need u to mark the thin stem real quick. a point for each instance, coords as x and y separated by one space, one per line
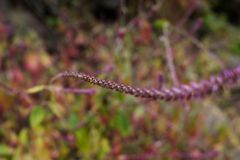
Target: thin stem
169 56
197 43
170 63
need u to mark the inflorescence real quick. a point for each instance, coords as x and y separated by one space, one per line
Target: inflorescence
182 92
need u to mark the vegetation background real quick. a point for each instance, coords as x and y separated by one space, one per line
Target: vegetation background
147 43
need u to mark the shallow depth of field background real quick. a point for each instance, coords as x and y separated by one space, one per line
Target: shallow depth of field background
126 41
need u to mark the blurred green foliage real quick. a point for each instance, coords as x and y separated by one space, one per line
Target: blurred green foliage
41 120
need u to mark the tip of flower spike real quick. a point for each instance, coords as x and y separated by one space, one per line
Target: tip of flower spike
66 74
59 75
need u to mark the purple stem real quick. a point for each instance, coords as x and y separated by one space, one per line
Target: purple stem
78 91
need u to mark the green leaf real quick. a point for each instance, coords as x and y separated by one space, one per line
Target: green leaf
122 123
37 116
73 121
56 109
5 150
52 22
36 89
23 136
234 47
105 148
215 22
161 24
83 141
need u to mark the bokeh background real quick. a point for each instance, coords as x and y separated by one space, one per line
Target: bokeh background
128 41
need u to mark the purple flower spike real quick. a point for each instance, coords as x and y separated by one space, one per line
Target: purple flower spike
182 92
